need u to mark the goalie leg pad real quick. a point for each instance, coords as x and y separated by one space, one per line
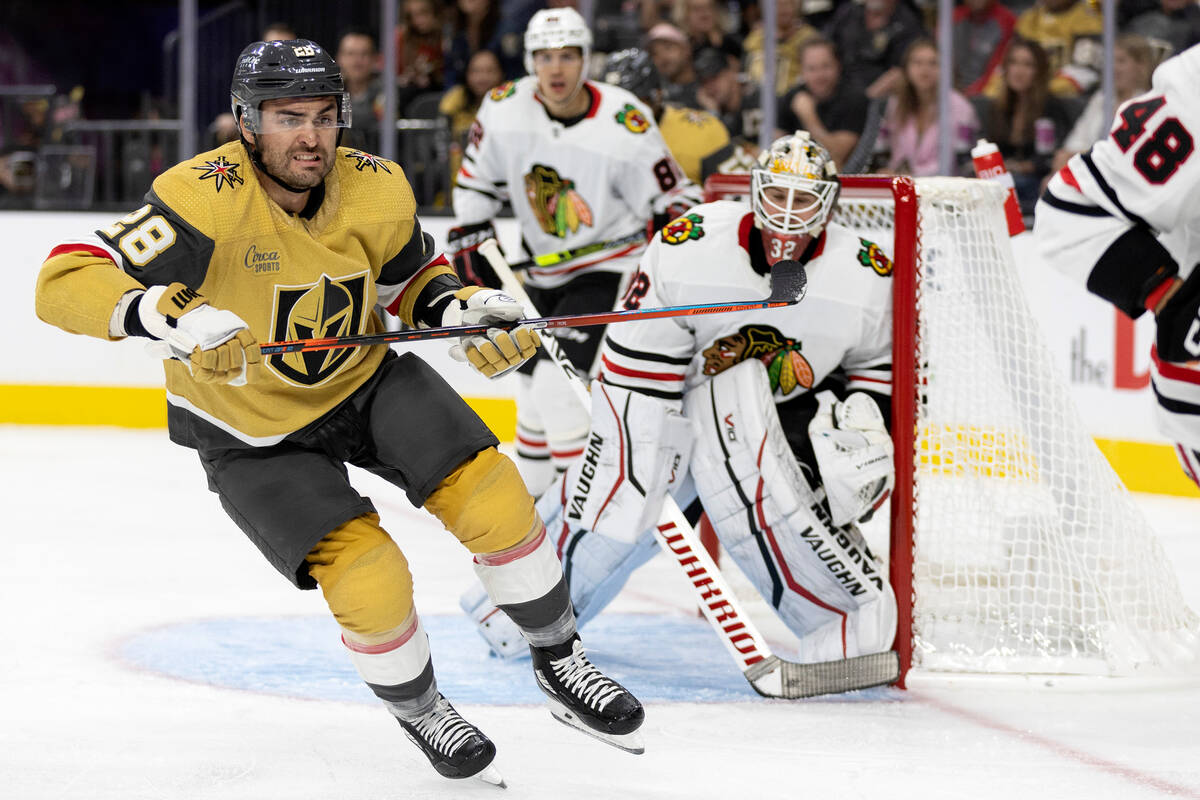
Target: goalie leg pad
637 450
823 582
485 504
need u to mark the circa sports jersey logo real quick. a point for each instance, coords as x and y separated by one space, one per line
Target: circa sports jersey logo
872 255
260 261
786 368
558 207
684 229
328 307
367 160
222 171
633 119
506 89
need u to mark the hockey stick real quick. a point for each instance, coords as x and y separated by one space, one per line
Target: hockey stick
768 674
788 284
550 259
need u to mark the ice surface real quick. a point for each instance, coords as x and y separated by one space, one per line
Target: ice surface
152 653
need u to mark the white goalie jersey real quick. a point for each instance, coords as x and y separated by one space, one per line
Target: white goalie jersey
597 179
704 256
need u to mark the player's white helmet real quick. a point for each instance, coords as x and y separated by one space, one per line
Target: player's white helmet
805 170
554 28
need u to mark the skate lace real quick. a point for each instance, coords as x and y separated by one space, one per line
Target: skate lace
443 728
578 675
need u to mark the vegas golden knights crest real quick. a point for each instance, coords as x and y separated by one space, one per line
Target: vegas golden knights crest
786 367
330 307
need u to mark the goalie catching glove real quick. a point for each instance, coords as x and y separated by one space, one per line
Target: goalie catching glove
854 454
216 345
500 352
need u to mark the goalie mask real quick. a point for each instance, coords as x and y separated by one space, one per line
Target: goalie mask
555 29
793 190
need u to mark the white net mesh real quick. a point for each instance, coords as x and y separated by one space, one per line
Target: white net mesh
1029 556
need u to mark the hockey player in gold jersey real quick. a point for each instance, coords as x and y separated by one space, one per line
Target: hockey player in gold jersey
285 235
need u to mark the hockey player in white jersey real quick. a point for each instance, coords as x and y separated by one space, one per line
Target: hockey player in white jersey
585 168
785 407
1122 218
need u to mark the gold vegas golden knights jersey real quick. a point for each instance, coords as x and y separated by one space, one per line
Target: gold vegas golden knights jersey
210 225
695 139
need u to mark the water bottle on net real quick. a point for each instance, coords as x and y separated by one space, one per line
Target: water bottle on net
989 165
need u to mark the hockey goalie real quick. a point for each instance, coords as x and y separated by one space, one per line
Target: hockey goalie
773 419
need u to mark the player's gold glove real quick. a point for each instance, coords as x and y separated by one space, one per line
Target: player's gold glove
216 344
500 351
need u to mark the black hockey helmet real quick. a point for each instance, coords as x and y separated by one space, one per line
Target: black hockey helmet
634 71
292 68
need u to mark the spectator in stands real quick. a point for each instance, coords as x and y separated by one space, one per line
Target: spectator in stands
478 25
705 25
826 104
221 130
16 177
1026 121
461 102
1069 32
357 55
278 32
652 12
723 93
1172 27
672 55
791 32
982 31
871 38
1133 62
420 62
909 134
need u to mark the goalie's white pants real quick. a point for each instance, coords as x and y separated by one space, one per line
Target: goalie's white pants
824 583
552 426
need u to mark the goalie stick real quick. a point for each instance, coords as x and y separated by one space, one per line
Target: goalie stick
788 284
767 673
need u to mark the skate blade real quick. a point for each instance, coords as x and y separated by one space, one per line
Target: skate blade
629 742
491 775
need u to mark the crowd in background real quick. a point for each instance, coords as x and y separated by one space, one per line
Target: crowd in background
860 75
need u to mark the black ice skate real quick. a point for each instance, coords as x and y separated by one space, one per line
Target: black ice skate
455 747
584 698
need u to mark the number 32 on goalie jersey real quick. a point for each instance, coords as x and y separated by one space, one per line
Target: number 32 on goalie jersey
1158 156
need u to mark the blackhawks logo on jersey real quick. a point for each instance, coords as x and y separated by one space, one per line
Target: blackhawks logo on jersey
683 229
786 367
367 160
329 307
558 207
872 255
502 91
221 171
633 119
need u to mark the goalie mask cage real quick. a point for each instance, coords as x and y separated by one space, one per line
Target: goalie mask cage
1015 549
